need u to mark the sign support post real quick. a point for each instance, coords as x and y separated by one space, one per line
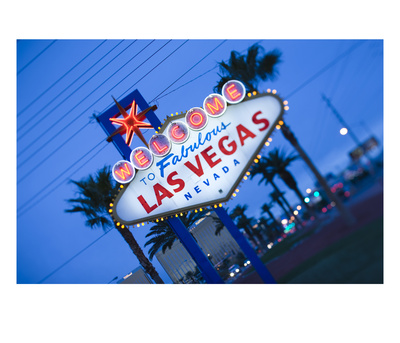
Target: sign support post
209 273
245 246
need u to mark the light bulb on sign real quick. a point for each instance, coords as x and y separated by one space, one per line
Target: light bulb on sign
343 131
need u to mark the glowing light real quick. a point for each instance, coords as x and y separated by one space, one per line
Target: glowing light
130 123
308 190
110 210
274 91
347 194
268 90
178 132
160 145
343 131
123 172
285 102
298 207
316 194
234 91
141 158
307 200
254 92
214 105
295 212
196 118
286 108
278 127
284 221
280 122
269 139
266 144
324 209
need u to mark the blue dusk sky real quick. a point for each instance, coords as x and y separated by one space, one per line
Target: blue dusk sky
63 63
62 83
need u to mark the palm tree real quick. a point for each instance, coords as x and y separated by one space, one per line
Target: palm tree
162 236
276 197
267 176
96 193
244 222
247 70
250 69
278 162
267 208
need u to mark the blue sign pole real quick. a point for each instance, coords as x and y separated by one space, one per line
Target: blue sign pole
245 246
209 273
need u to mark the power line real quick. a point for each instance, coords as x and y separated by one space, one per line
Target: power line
194 79
152 69
324 69
71 122
53 152
73 257
59 79
190 69
34 197
33 59
51 111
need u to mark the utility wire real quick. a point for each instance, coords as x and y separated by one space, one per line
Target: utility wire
197 77
324 69
37 165
59 79
81 130
33 59
71 122
202 59
25 209
73 257
55 107
151 69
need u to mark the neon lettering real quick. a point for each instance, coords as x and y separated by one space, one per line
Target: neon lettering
233 93
123 172
173 133
216 108
197 122
159 149
140 159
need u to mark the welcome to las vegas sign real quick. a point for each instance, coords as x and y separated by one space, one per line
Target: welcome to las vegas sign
196 159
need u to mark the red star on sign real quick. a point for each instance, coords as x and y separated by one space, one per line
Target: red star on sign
131 123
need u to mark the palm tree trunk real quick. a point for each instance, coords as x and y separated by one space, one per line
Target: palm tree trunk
286 203
345 213
143 260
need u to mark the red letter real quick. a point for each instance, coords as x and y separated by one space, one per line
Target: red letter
209 158
173 182
260 121
146 205
231 145
240 128
233 93
140 159
159 149
216 108
123 171
199 170
161 193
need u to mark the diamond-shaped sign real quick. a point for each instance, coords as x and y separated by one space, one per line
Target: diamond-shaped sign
198 158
